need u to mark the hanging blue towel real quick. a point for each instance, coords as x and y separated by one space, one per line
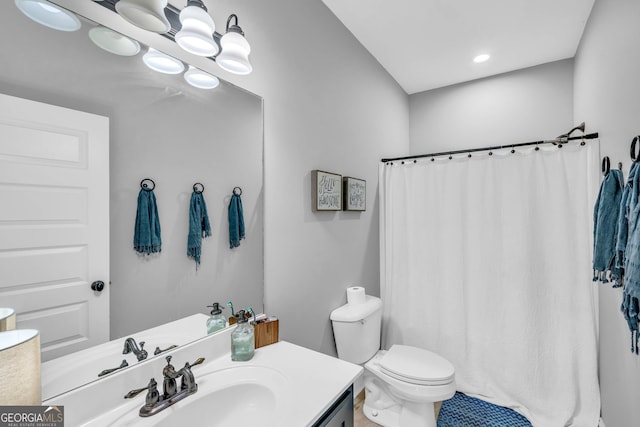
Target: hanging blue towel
236 221
623 217
199 226
628 247
605 228
146 236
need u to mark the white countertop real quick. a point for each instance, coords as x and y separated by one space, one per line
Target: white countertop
315 381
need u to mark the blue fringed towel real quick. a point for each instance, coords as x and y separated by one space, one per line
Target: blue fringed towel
605 228
146 236
199 226
628 247
236 221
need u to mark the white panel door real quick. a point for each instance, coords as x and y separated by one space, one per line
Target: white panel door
54 222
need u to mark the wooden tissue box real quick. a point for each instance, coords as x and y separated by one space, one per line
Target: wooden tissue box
265 332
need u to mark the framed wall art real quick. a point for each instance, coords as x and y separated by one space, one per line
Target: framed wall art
355 194
326 191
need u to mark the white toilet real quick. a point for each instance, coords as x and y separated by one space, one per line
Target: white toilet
401 384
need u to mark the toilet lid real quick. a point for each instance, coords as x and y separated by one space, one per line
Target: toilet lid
416 366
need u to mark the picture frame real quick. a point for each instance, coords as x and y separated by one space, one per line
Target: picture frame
326 191
355 194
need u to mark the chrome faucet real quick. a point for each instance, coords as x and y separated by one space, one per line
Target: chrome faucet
130 346
156 402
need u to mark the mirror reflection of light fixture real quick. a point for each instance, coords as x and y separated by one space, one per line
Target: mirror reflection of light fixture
235 50
113 42
20 367
200 79
49 14
146 14
196 34
162 62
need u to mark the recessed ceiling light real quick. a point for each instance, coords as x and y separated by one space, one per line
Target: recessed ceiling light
49 14
481 58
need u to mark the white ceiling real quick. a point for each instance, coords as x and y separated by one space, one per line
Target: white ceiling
426 44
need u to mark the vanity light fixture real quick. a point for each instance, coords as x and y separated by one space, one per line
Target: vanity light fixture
49 14
146 14
200 79
481 58
113 42
162 62
235 50
196 34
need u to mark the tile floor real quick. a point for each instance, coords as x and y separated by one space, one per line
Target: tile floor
359 420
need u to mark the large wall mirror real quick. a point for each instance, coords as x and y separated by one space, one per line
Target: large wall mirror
161 128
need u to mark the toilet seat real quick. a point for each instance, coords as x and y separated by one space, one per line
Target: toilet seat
416 366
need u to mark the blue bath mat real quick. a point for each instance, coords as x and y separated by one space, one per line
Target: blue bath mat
464 411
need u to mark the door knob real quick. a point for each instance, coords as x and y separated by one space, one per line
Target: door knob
98 285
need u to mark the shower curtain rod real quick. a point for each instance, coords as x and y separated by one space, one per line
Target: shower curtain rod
499 147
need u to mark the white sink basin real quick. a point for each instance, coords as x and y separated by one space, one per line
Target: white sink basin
244 395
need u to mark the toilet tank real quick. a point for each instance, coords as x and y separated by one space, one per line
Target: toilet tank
356 329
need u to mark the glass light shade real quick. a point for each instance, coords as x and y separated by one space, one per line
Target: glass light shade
20 368
146 14
162 63
200 79
196 35
235 54
49 14
113 42
7 319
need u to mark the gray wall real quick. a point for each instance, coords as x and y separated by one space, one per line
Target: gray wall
607 90
328 105
525 105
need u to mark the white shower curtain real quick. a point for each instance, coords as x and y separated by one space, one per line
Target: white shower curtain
487 262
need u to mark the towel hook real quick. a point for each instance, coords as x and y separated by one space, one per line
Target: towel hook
195 188
237 193
634 142
606 165
145 186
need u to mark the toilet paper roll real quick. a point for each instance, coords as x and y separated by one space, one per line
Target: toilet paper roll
355 295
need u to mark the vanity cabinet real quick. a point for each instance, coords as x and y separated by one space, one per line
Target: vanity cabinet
340 414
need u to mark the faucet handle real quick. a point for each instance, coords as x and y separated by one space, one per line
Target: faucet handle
197 362
159 350
134 393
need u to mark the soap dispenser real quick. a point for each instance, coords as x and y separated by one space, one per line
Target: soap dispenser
242 340
217 321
